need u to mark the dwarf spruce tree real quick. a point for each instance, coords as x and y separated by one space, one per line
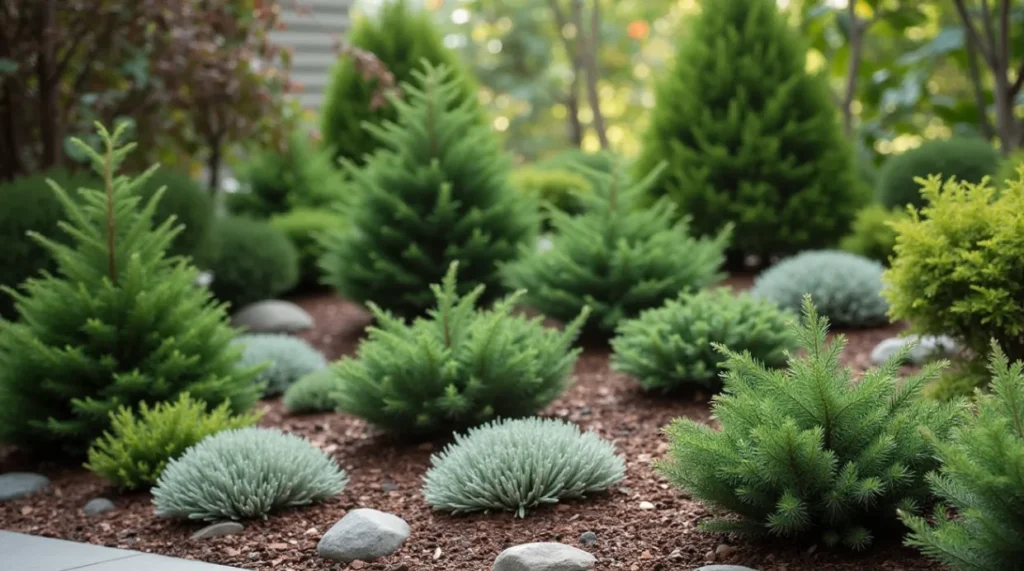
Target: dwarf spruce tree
807 452
437 192
119 322
749 136
617 258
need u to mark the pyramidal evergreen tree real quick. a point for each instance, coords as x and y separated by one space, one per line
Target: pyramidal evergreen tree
750 137
618 258
437 192
383 53
118 323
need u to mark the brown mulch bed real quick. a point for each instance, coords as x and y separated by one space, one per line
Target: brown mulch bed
387 476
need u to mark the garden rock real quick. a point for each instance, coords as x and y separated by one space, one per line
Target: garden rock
364 535
219 529
544 557
97 506
928 347
18 484
724 568
272 316
588 538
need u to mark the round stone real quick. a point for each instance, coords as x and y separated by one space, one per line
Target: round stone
96 506
15 485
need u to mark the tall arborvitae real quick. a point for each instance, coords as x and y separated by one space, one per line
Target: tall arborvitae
437 192
118 323
749 136
381 54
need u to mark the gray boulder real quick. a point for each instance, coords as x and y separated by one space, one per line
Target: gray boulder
363 534
96 506
272 316
219 529
928 347
18 484
544 557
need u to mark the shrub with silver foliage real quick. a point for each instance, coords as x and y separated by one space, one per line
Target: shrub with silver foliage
287 359
844 287
312 393
246 473
518 464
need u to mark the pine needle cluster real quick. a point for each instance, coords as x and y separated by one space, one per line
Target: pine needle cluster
807 452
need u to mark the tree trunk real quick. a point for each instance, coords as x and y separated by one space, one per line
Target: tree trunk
588 47
213 164
572 100
857 27
49 109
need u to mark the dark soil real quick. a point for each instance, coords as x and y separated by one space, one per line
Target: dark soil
387 476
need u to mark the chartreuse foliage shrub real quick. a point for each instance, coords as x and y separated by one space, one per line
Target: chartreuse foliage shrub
749 136
457 367
807 452
284 359
515 465
968 159
845 287
312 393
401 37
552 188
31 206
673 346
276 181
133 453
254 261
873 235
117 324
190 204
437 192
617 258
306 229
958 266
982 478
246 473
1008 169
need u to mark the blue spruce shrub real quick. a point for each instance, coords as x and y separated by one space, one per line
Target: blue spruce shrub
286 359
245 473
515 465
845 287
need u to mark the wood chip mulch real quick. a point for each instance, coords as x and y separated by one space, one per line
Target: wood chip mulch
387 476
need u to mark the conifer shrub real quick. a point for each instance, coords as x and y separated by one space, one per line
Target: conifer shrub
306 229
118 323
673 346
31 206
437 192
750 137
456 368
246 473
958 265
134 452
578 161
497 467
616 258
845 287
981 479
969 159
191 206
807 452
313 392
276 181
284 359
385 52
552 188
253 261
873 235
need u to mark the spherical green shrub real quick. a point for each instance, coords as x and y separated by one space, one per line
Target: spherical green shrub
134 452
189 203
286 359
306 229
968 159
29 204
515 465
253 261
846 288
456 368
677 344
873 235
959 263
552 188
312 393
245 473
